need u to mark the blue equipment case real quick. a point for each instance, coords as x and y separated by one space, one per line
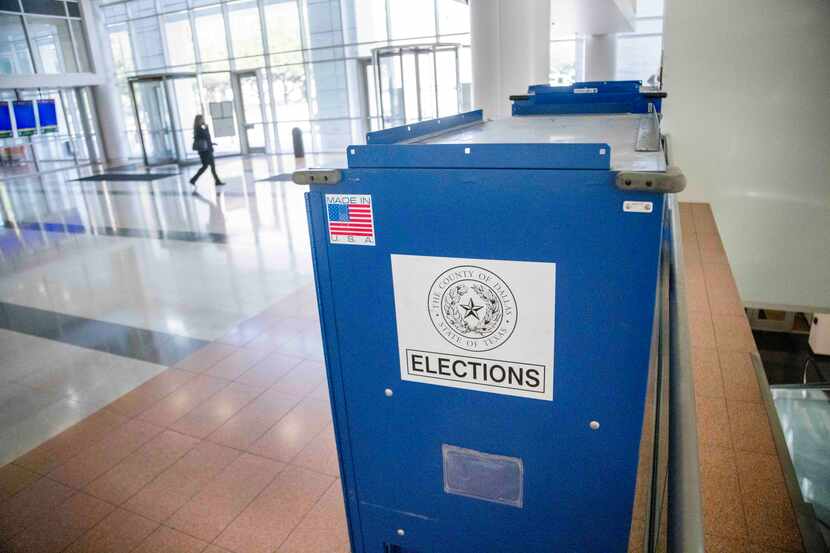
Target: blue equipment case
487 293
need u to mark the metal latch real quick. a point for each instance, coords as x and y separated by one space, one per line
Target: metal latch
317 176
672 180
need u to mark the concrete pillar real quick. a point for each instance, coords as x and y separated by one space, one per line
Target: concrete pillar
510 50
106 96
600 57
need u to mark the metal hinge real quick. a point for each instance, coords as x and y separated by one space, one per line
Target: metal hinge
317 176
672 180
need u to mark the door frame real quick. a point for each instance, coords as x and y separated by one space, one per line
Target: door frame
242 123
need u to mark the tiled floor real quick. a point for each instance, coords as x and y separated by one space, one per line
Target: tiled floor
105 284
745 501
160 367
232 448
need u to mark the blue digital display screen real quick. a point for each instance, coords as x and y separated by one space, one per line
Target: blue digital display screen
47 114
5 120
24 116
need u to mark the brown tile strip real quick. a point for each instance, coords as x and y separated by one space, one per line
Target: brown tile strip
746 507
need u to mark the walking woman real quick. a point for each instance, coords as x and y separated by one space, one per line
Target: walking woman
203 144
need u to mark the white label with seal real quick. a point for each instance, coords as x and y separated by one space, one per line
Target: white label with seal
638 207
586 90
476 324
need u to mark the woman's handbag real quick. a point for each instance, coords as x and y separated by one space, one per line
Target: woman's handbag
201 145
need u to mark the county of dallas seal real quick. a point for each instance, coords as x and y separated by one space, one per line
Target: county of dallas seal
472 308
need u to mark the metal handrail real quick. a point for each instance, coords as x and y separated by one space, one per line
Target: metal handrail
685 519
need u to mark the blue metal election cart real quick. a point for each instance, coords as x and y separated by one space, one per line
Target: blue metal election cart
487 300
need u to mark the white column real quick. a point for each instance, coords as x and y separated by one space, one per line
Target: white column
106 96
600 57
510 50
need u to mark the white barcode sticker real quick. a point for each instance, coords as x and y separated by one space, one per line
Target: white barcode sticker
638 207
586 90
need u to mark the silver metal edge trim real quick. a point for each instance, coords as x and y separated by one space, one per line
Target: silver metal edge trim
685 518
648 134
426 137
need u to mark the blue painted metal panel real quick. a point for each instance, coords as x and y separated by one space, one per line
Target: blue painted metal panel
602 86
482 156
604 97
416 130
572 108
579 484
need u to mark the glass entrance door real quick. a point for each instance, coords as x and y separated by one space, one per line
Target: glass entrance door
186 104
154 120
415 82
253 111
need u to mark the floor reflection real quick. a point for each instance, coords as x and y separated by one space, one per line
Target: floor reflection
158 254
104 284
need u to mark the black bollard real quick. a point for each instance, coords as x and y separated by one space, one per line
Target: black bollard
297 138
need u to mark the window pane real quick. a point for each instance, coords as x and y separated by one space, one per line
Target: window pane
90 125
642 26
391 90
453 17
327 92
140 8
411 19
14 52
370 91
246 34
466 73
324 29
80 44
410 87
282 21
289 92
122 53
52 45
217 88
68 112
426 75
148 49
638 57
133 140
116 13
447 74
649 8
210 32
172 5
562 62
179 40
370 16
186 94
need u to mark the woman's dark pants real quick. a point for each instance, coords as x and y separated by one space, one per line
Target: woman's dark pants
207 161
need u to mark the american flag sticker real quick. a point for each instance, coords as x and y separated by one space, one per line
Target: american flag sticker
351 220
